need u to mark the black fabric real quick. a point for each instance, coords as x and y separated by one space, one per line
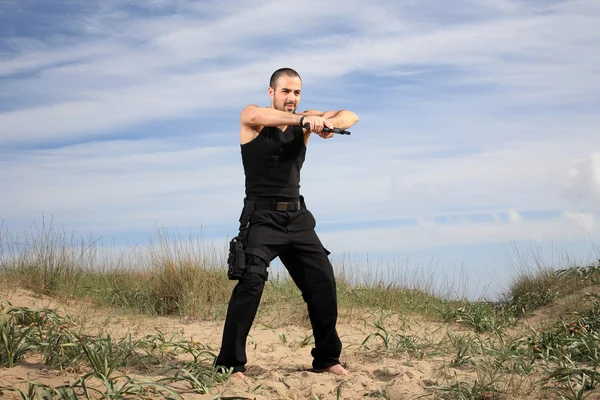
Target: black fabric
272 163
291 236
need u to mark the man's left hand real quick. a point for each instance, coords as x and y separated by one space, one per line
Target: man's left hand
326 135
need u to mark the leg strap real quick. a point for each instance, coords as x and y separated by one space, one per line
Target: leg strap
258 268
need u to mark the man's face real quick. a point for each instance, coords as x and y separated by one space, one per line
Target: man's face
286 94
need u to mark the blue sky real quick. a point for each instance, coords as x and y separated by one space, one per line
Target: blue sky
478 130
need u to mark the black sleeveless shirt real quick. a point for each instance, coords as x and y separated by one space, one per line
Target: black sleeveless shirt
272 163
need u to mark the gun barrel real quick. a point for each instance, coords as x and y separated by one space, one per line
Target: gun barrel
334 130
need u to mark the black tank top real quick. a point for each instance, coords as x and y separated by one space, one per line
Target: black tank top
272 163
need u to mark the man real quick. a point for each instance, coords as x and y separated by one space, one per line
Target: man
276 222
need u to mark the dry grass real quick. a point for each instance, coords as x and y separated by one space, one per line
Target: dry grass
183 276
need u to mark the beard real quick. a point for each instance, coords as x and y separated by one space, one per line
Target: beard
284 106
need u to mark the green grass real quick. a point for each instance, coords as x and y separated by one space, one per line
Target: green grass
102 358
488 350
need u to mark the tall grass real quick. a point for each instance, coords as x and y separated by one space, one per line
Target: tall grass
537 283
170 276
186 276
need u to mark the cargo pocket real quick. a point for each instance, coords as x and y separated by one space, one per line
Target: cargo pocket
309 221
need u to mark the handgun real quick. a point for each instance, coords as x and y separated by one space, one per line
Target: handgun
334 130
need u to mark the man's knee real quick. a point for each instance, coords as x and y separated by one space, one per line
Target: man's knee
250 284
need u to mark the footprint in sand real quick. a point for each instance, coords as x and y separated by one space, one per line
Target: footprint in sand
387 374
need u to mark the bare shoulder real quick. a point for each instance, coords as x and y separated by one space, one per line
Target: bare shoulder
246 114
248 131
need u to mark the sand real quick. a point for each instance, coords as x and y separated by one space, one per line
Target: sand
279 364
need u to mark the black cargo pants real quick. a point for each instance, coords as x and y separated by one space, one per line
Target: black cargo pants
291 236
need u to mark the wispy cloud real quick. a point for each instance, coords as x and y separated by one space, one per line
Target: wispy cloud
565 228
192 64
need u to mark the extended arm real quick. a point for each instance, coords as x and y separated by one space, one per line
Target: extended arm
252 115
339 118
343 119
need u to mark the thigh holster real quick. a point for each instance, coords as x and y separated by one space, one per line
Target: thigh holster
236 261
243 259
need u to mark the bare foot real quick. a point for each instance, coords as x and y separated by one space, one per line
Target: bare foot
338 370
239 375
334 369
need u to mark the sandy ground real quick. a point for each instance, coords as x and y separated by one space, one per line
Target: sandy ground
278 368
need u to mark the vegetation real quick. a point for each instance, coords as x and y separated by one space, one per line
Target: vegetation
542 340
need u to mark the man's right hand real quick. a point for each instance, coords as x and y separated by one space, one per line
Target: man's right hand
316 123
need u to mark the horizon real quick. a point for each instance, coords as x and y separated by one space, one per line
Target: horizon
477 140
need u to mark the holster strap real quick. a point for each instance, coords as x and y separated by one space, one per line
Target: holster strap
261 268
258 269
258 253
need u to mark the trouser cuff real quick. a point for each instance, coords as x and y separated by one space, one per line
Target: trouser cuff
239 368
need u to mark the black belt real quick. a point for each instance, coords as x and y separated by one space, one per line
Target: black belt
293 205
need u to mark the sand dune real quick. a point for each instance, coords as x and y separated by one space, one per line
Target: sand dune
279 354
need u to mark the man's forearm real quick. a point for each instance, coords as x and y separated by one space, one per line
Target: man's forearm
265 116
343 119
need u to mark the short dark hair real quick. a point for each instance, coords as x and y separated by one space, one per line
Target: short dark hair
282 71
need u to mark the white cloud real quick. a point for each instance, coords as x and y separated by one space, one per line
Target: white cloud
384 180
426 222
124 185
582 184
514 216
587 222
35 54
409 238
